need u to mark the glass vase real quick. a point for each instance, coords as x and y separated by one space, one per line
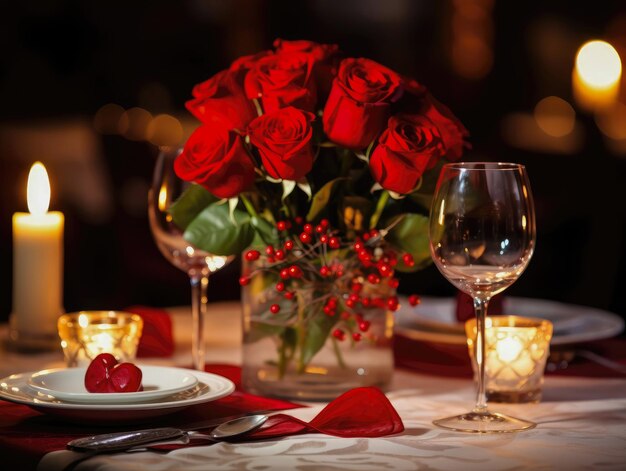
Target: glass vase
307 352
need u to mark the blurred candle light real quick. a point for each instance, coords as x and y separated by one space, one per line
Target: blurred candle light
555 116
37 266
596 76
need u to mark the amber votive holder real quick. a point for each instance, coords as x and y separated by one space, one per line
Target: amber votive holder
86 334
516 350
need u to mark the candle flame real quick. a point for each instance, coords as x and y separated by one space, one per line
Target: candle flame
38 189
598 64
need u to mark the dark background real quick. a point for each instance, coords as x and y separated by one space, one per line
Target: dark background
63 60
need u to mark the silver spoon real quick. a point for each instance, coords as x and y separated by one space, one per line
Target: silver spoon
122 441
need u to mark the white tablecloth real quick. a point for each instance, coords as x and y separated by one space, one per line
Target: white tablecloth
581 424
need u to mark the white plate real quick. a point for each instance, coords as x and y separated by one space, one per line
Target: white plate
434 320
69 385
210 387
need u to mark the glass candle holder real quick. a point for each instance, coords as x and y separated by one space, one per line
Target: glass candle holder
86 334
516 350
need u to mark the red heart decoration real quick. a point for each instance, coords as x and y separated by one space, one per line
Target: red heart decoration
125 377
105 375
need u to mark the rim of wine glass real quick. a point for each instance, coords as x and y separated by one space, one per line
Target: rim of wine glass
484 166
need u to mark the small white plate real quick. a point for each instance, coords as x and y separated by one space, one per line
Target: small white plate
69 385
210 387
434 320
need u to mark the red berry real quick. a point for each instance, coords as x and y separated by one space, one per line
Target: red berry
280 255
408 260
271 259
366 237
281 225
320 229
345 315
356 287
332 302
274 308
356 336
392 303
364 256
385 270
373 278
358 246
325 223
350 303
299 220
366 302
289 295
414 300
373 233
305 237
364 326
339 334
244 280
269 250
393 283
334 243
323 238
329 311
252 255
284 273
288 244
280 286
354 297
324 270
295 271
308 228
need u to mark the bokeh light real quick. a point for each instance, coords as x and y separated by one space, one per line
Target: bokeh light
598 64
165 130
134 123
555 116
612 123
107 118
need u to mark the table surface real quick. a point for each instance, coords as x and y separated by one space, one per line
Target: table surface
580 423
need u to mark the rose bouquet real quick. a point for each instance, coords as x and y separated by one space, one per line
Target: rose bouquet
321 169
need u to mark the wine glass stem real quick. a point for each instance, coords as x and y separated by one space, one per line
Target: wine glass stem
199 284
480 308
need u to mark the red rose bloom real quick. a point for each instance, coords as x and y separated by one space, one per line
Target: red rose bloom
405 149
283 79
283 138
245 63
358 106
325 56
452 131
221 99
216 158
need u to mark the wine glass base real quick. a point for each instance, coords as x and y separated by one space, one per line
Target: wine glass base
484 422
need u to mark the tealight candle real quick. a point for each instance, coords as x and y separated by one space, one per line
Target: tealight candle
86 334
37 266
516 349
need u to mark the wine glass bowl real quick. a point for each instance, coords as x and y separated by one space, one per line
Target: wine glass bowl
482 237
166 188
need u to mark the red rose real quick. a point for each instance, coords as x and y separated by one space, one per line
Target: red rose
326 58
221 99
216 158
247 62
283 79
405 149
358 106
283 138
451 130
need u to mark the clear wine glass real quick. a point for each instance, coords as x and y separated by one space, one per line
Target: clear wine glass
198 264
482 236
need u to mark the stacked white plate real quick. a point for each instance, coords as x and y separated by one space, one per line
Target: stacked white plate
62 392
434 320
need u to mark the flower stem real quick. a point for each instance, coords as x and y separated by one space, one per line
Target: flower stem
249 206
340 362
301 330
380 206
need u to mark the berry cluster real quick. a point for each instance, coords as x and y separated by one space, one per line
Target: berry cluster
356 276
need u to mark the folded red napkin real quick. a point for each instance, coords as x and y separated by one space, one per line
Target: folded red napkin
442 359
27 435
157 339
465 306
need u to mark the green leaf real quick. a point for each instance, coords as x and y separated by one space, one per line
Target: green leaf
213 231
260 330
411 235
321 199
318 330
265 231
193 200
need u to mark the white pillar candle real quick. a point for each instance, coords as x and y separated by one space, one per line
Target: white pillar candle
37 264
